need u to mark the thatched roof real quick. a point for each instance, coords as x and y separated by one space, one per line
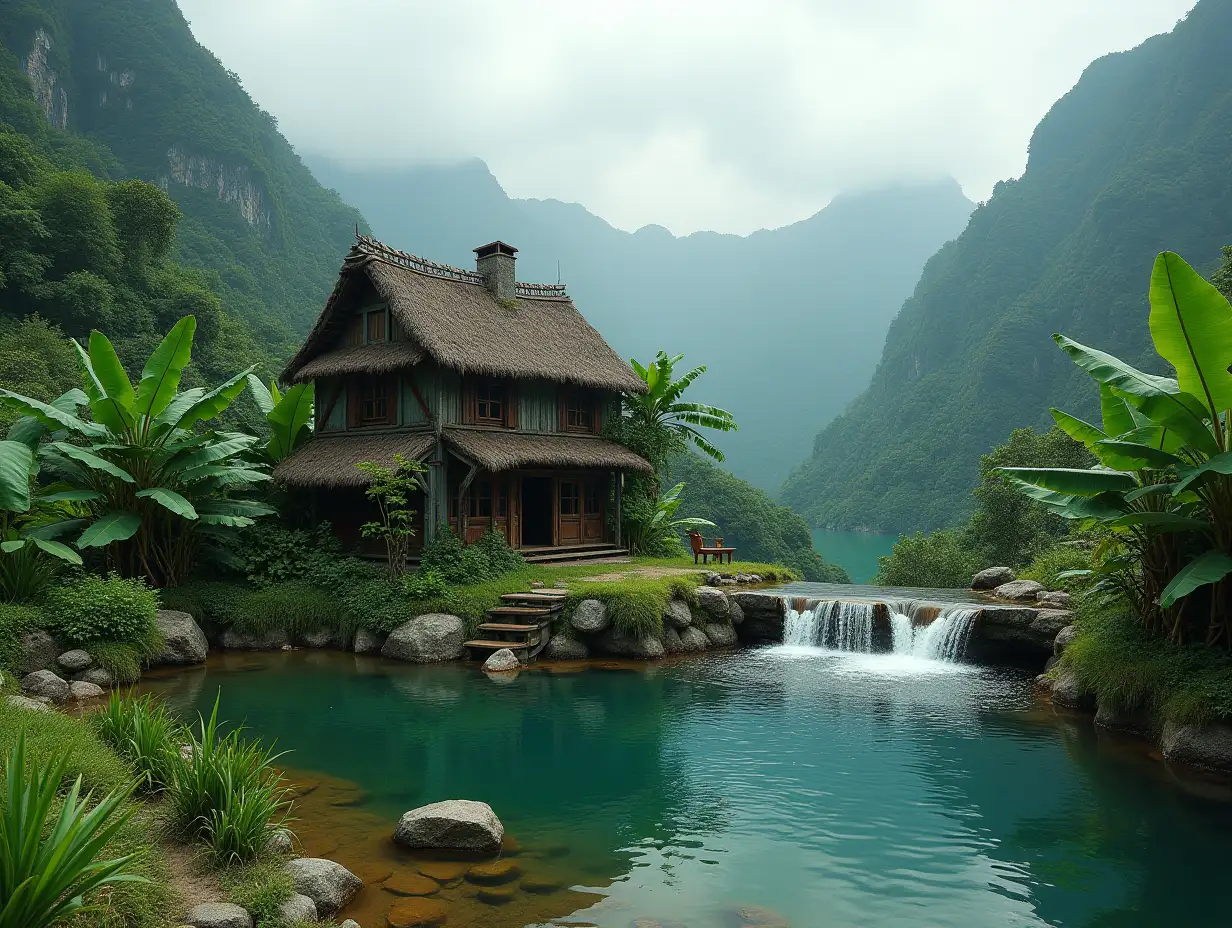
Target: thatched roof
383 358
499 451
455 319
330 461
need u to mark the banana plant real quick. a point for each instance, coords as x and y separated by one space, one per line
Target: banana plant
289 415
661 420
659 520
1163 487
151 482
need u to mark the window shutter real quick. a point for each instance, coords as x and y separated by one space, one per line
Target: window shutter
596 416
511 405
393 408
470 402
352 401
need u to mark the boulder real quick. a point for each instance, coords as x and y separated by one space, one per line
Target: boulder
99 676
677 614
219 915
80 689
319 638
694 640
617 643
992 578
502 661
564 648
367 642
1208 746
281 841
24 702
299 908
75 660
454 825
349 923
1068 693
763 616
671 640
1063 639
714 603
426 639
590 616
38 652
328 884
183 640
1053 599
713 578
720 635
1019 591
735 613
47 684
273 640
1134 721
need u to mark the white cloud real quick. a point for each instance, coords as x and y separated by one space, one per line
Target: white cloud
726 114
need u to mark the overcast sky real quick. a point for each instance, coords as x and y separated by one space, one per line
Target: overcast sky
694 114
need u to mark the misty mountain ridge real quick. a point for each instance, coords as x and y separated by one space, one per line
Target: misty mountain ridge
789 321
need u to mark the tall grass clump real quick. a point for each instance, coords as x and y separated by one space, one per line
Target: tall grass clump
1050 565
142 731
226 792
46 871
296 607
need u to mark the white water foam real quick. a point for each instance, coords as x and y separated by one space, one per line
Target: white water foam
848 627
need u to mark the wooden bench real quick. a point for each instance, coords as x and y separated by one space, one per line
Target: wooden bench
698 544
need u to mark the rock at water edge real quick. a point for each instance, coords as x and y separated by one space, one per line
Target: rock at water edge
99 676
614 642
502 661
735 613
319 638
219 915
1021 591
676 613
47 684
671 640
183 640
273 640
455 824
694 640
1063 640
563 648
24 702
721 636
426 639
1207 746
1068 693
328 884
590 616
992 578
75 660
80 689
367 642
299 908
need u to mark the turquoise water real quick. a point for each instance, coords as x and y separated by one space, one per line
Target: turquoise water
837 790
857 552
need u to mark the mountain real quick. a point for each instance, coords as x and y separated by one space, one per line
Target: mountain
789 322
125 91
1135 159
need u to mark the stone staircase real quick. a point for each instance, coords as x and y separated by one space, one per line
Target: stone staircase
522 623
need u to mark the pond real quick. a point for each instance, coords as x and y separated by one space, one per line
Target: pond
855 552
827 790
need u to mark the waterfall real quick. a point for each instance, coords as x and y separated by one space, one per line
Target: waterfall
848 626
840 626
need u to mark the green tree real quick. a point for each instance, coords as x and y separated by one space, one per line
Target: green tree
391 488
658 424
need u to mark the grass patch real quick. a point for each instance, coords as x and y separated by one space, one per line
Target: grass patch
1050 563
51 734
15 621
260 887
296 607
1113 659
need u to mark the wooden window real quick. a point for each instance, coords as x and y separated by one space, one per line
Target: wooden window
579 412
375 327
569 500
592 502
374 401
490 402
480 506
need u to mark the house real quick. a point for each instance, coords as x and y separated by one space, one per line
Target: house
500 388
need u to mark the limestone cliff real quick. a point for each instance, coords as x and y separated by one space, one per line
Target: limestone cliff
52 97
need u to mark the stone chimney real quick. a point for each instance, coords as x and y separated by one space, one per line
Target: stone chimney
494 262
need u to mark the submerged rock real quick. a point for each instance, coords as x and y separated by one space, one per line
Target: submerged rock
676 613
299 908
38 652
426 639
415 912
75 660
502 661
411 884
183 640
720 635
1207 746
564 648
992 578
367 642
694 640
494 873
46 684
455 825
618 644
219 915
328 884
590 616
1019 591
1134 721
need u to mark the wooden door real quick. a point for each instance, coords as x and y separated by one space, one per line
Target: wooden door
569 511
592 510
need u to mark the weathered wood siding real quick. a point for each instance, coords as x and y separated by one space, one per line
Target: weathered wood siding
410 411
539 406
324 392
449 396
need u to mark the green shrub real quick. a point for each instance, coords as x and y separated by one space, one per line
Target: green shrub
103 609
486 558
296 607
15 621
122 659
269 553
215 602
1050 563
425 583
1114 659
381 604
941 559
143 732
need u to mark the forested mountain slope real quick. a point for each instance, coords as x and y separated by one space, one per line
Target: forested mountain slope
1135 159
789 321
122 88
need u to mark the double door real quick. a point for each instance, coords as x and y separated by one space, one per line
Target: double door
579 509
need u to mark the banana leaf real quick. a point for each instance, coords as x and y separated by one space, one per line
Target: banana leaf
1210 567
1072 480
16 464
160 380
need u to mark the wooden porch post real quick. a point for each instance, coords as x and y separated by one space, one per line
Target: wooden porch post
462 509
619 477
